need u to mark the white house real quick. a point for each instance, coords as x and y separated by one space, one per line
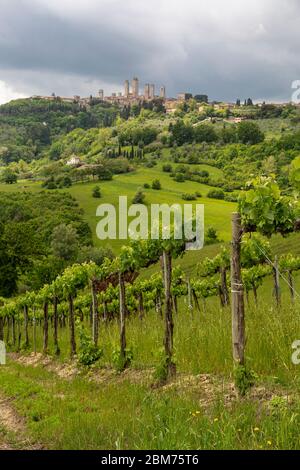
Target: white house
74 161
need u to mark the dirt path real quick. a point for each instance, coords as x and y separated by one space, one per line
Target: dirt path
13 428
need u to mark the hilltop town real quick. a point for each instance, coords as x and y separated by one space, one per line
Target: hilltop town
131 95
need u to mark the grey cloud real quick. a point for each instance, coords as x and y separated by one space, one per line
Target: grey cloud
226 49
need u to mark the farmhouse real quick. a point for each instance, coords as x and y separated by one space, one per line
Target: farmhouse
74 161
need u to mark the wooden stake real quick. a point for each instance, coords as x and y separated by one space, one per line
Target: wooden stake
55 326
237 288
45 343
122 317
291 283
169 325
26 326
72 326
276 275
34 331
95 315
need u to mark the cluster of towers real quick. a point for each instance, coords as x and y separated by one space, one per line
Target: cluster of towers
149 90
132 93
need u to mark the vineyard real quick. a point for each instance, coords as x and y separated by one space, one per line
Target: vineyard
74 314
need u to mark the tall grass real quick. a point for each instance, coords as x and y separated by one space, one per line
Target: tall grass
202 340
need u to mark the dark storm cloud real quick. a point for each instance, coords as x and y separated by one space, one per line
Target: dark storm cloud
226 49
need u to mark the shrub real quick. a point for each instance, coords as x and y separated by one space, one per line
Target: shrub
139 197
244 379
104 174
88 352
167 168
179 178
203 173
216 194
161 370
64 182
156 185
96 193
147 186
211 236
121 362
9 177
49 184
250 133
189 197
232 197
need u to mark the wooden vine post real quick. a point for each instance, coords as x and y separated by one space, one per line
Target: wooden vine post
291 286
276 275
26 326
238 309
224 289
34 330
95 315
46 326
72 326
55 325
122 317
169 325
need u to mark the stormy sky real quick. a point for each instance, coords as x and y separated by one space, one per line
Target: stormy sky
226 49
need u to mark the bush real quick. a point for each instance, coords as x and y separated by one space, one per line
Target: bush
216 194
205 133
88 352
96 193
189 197
64 182
167 168
150 164
139 197
121 362
179 178
104 175
49 184
232 197
211 236
9 177
244 379
147 186
156 185
161 370
202 174
250 133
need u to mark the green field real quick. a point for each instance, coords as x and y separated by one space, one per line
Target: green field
217 213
